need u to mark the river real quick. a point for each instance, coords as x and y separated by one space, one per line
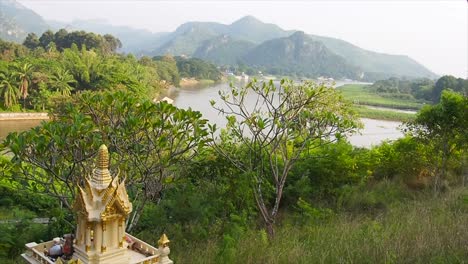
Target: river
7 126
198 98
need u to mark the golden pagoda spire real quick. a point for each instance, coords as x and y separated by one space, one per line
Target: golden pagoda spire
101 177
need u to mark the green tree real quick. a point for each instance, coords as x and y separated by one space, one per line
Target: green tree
31 41
270 127
46 38
148 141
24 72
61 81
444 126
8 89
444 82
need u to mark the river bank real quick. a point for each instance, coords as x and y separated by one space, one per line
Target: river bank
190 82
23 116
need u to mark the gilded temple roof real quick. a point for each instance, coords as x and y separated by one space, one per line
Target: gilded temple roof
103 196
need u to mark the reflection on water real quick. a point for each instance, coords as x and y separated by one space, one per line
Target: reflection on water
7 126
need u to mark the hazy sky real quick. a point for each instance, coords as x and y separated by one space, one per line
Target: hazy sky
433 33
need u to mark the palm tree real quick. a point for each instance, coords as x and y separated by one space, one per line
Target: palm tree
61 80
8 90
24 73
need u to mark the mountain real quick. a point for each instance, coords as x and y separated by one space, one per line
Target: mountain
251 29
223 50
230 44
377 65
16 21
299 54
188 37
192 35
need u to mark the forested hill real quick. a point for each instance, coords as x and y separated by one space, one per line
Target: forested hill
228 45
223 50
298 54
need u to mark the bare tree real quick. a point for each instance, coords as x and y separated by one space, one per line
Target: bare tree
271 126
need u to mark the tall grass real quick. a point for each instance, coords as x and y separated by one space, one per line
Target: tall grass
426 230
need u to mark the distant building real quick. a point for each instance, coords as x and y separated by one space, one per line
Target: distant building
102 207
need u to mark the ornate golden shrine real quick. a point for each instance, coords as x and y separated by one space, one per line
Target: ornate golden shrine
102 207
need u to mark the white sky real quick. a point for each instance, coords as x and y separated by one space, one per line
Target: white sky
433 33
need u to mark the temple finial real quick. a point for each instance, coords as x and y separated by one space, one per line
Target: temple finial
101 177
103 157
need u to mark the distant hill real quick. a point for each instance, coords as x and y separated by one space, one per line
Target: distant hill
299 54
242 40
188 37
16 21
376 64
193 35
223 50
253 30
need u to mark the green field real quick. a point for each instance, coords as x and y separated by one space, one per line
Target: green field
360 95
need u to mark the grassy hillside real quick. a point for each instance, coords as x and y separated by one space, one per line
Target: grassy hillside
376 65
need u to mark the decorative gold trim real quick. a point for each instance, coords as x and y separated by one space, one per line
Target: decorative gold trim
87 248
121 244
103 249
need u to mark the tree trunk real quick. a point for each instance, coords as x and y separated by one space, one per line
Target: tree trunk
136 216
270 229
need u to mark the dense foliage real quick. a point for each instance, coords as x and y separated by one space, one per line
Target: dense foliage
37 78
424 89
62 40
197 68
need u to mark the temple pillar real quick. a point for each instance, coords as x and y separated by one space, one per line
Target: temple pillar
97 236
121 235
78 232
88 237
104 238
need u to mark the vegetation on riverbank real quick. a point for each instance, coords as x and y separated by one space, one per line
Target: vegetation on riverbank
360 94
51 69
